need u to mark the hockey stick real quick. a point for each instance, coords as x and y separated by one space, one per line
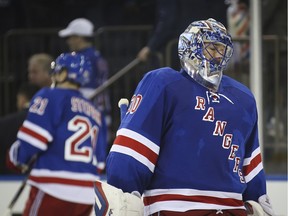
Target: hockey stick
101 204
123 105
22 186
115 77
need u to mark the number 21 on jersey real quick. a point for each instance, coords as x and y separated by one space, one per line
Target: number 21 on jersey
84 132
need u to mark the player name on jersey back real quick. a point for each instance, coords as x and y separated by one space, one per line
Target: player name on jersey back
82 106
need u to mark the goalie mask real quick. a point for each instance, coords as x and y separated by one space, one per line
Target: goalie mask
77 66
204 50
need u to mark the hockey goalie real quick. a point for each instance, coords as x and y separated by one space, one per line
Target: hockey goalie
188 142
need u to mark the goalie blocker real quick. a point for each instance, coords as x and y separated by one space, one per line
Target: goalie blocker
111 201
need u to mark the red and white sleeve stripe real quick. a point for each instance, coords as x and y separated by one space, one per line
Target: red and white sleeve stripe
186 199
34 135
137 146
252 165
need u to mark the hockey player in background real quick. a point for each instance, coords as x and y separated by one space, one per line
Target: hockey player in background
79 35
189 141
68 135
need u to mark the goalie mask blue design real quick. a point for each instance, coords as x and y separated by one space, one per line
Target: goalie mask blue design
193 44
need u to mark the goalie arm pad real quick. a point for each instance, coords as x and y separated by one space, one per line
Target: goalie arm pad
263 208
111 201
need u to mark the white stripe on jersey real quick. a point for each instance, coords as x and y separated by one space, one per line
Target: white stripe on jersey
185 205
140 138
247 161
32 140
125 150
182 206
194 192
70 193
253 173
43 132
63 174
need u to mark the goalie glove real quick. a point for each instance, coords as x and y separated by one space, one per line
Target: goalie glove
263 208
264 201
253 208
112 201
11 159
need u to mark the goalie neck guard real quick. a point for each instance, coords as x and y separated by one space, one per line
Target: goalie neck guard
194 42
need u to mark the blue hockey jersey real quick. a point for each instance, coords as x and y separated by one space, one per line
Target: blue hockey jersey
184 147
68 134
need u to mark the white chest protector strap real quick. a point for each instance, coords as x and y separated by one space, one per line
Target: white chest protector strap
111 201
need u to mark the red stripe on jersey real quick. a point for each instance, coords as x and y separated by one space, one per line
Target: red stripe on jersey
61 181
194 198
136 146
253 163
33 134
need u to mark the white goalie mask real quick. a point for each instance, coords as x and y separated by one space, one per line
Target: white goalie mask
204 67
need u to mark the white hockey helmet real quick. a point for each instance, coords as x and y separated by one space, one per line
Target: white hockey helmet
192 44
